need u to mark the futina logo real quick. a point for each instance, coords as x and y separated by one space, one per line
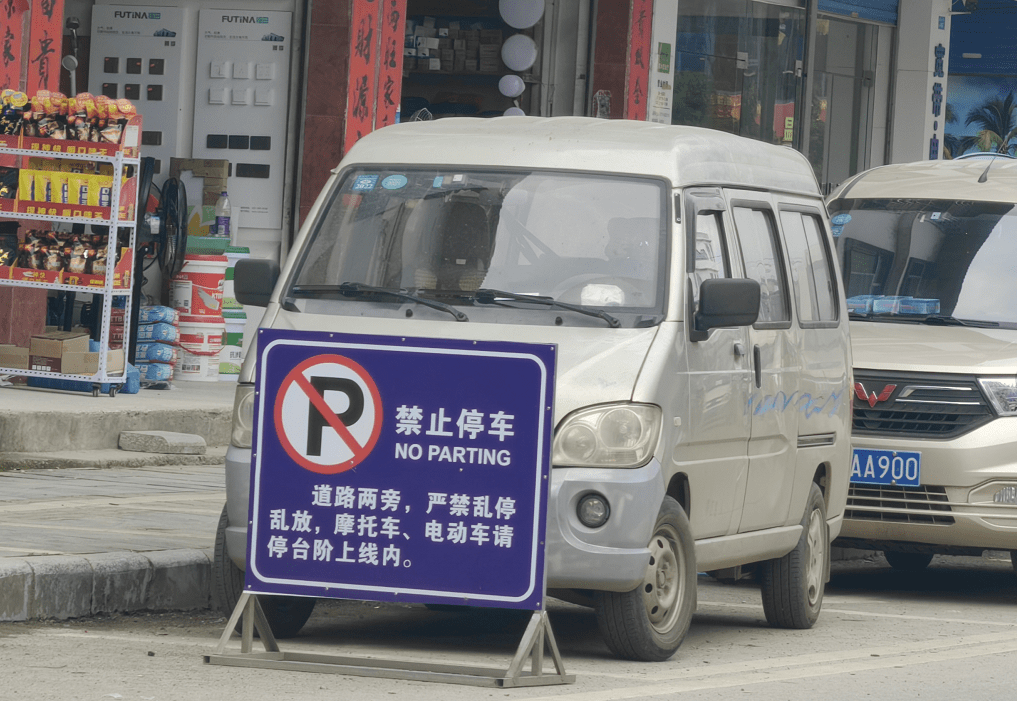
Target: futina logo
873 398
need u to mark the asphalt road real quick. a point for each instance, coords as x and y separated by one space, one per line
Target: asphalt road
947 632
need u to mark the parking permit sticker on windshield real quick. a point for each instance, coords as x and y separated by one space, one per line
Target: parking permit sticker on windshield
394 182
364 183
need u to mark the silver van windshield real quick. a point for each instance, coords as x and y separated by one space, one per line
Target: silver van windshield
590 240
930 261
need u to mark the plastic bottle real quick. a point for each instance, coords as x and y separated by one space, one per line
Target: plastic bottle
222 216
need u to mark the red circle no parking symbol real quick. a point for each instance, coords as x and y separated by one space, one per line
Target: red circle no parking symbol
328 414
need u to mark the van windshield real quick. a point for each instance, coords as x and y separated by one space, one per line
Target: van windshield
928 261
588 240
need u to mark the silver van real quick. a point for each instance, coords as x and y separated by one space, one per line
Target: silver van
929 256
686 277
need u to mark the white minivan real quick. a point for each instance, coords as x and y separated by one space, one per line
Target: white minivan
686 277
929 256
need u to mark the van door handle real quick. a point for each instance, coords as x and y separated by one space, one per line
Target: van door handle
739 350
757 366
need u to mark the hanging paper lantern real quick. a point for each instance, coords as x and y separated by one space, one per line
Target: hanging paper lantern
514 112
521 14
511 86
519 52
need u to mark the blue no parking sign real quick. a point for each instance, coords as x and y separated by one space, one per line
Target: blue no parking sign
398 469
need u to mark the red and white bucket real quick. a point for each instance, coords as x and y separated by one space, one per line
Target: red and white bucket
201 340
197 288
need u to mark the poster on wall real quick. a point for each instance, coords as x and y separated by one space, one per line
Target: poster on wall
660 88
980 115
376 64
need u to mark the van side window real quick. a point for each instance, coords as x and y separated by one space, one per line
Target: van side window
711 260
758 238
810 267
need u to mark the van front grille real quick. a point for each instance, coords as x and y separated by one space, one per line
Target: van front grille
918 406
872 502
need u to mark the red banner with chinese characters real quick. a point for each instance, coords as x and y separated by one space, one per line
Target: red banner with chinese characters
12 21
44 43
360 103
376 59
393 20
637 70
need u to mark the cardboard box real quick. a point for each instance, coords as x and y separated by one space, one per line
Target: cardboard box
88 363
489 51
490 36
490 65
213 174
46 351
13 357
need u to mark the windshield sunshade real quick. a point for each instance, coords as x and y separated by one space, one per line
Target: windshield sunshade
931 261
586 240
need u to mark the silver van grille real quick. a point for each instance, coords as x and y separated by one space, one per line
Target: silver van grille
920 406
871 502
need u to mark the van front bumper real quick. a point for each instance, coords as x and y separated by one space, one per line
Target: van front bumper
610 558
961 505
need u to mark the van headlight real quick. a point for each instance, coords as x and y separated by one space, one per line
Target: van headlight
1002 392
608 435
243 415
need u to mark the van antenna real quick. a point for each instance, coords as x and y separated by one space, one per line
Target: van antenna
984 177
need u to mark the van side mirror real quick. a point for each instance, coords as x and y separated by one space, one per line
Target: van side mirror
254 279
726 302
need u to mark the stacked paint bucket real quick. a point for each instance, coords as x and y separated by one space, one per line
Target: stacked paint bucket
196 292
233 314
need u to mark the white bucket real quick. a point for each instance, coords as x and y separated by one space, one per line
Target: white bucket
199 367
201 334
197 288
201 340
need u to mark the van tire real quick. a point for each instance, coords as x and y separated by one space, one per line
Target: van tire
907 562
793 585
286 614
649 623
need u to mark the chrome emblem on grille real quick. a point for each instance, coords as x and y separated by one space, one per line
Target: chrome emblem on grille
873 398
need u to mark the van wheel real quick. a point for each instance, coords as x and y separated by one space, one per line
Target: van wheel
650 622
286 614
908 562
792 586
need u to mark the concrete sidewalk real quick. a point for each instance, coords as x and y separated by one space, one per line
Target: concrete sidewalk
77 542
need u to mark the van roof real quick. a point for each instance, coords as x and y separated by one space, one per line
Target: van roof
684 155
936 180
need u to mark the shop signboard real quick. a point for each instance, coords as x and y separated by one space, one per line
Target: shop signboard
400 469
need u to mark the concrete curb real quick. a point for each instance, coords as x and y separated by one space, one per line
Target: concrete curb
72 586
215 455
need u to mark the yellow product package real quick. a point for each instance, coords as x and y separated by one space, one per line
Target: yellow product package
43 186
78 186
26 185
100 189
45 164
68 166
59 187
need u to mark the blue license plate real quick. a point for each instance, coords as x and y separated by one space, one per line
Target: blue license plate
899 468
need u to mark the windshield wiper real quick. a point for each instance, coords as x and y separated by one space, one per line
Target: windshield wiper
488 296
947 320
352 289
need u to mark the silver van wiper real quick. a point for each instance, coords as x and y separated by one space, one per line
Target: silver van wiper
354 289
947 320
489 296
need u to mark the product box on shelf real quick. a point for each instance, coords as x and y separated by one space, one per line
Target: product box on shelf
13 357
87 363
47 350
130 140
121 274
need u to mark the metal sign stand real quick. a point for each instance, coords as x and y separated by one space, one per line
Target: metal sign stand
538 634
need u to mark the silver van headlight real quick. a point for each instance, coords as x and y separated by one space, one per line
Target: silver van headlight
1002 392
243 416
608 435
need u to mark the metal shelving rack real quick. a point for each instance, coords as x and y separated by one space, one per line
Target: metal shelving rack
108 290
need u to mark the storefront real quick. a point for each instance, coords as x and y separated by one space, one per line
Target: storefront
814 76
